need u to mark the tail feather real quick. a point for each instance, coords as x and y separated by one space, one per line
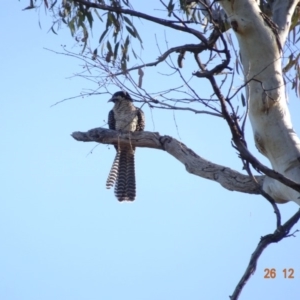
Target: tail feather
131 187
125 184
113 174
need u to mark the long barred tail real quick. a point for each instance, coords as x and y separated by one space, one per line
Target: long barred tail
113 174
125 188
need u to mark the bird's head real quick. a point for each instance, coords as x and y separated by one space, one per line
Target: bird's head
120 96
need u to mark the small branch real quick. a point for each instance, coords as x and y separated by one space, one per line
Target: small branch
193 48
172 107
220 67
265 241
265 195
189 47
163 105
275 207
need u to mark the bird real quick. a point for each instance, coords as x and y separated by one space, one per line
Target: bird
124 117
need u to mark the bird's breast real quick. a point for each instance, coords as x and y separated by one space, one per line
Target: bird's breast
126 121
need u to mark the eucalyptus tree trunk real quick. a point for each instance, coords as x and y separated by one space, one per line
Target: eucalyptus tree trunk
261 41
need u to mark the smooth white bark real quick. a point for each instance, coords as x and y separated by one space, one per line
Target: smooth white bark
282 16
268 112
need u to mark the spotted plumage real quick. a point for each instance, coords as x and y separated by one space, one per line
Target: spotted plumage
127 118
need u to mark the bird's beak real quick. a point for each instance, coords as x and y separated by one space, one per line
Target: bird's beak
110 100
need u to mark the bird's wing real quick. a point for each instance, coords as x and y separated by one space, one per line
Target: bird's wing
111 120
141 120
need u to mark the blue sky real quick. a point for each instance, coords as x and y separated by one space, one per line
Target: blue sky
64 236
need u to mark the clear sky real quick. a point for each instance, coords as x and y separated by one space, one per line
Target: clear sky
64 236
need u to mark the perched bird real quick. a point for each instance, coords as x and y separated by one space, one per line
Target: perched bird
127 118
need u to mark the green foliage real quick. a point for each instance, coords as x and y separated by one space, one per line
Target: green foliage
118 29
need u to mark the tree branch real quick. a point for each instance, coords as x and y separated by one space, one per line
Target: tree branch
194 48
228 178
145 17
188 47
265 241
282 16
194 164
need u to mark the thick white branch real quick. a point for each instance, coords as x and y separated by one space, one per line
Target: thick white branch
228 178
270 119
282 16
